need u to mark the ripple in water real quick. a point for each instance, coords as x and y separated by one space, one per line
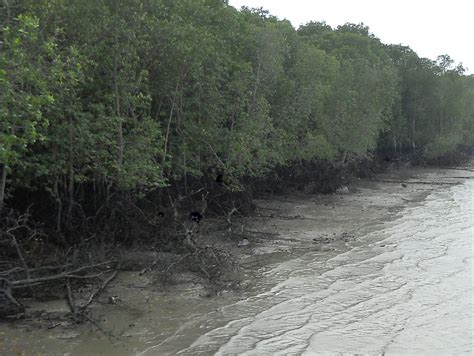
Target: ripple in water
408 290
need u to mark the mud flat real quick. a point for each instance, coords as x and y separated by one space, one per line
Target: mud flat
137 314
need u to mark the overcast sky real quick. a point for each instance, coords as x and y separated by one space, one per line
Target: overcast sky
429 27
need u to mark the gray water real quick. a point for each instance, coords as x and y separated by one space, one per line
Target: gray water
407 288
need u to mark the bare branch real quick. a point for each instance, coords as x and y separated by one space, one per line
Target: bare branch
100 289
69 274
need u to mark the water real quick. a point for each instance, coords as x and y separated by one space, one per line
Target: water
407 289
404 287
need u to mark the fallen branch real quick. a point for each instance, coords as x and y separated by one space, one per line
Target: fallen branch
96 324
415 182
178 262
69 297
229 215
5 290
458 169
54 326
69 274
99 290
204 271
214 255
148 268
434 183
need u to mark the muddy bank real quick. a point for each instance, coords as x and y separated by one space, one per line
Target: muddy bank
136 313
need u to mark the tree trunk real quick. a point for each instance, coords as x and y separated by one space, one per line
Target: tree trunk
441 121
344 157
3 184
185 171
59 204
168 128
120 140
71 171
7 6
253 103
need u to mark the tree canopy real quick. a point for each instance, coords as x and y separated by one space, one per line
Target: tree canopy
134 95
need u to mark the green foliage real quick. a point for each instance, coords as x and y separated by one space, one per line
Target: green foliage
132 95
432 113
363 88
317 147
24 67
441 146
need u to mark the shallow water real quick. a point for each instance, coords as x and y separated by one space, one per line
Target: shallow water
407 289
404 287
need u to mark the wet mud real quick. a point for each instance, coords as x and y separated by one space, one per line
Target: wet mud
312 269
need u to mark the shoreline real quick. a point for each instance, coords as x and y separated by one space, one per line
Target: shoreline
283 227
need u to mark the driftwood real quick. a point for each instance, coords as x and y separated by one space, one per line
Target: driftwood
5 294
177 262
70 297
148 268
285 217
458 169
95 293
415 182
7 285
79 312
229 215
69 274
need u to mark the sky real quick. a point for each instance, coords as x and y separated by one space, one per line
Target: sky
429 27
